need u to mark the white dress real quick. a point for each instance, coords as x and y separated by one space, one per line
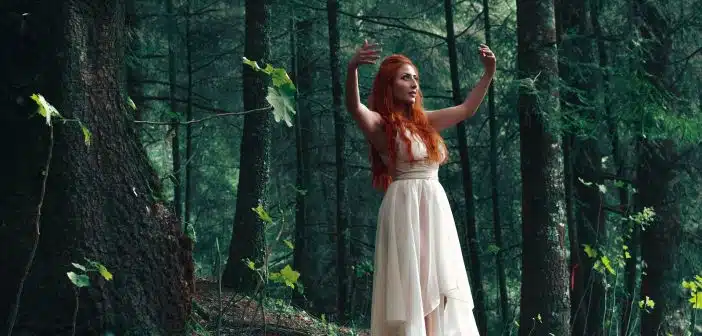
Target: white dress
418 259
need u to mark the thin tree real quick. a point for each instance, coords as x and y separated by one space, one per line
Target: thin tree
340 136
247 233
471 230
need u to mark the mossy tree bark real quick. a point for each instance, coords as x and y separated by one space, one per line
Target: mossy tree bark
101 201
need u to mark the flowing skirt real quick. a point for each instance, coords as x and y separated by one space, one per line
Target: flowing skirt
419 268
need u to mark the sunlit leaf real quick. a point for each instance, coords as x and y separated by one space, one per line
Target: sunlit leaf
79 280
262 214
283 105
45 109
79 266
87 136
607 264
290 276
602 188
583 182
493 249
289 244
591 252
250 264
104 272
131 104
696 300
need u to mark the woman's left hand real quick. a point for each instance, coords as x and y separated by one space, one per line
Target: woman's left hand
488 59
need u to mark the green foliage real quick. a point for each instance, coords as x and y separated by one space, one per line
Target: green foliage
286 275
48 111
81 279
695 288
647 304
45 109
281 95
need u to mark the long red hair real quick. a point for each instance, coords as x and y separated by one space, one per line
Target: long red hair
397 122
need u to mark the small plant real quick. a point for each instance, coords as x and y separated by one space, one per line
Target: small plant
81 279
695 288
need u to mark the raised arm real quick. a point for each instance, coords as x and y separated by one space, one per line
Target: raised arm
367 120
450 116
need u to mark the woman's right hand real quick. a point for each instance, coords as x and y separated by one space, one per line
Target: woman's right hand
366 54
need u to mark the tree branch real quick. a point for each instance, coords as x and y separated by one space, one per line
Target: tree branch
220 112
378 22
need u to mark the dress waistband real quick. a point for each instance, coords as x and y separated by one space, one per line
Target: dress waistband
417 175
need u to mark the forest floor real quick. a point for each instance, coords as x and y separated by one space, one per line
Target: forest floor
244 316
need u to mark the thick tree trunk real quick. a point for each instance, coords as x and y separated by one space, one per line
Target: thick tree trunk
303 69
494 186
340 131
575 67
545 302
471 230
656 176
247 235
99 200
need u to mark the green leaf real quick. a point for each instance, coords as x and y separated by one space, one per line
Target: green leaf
131 104
79 280
591 252
87 136
607 264
493 249
290 276
104 272
289 244
262 214
45 109
250 264
696 300
252 64
79 266
627 255
283 105
602 188
538 317
583 182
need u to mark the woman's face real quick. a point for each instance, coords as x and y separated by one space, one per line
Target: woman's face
405 87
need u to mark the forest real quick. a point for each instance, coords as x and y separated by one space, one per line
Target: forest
187 167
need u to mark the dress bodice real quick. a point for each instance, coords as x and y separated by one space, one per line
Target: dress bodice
416 167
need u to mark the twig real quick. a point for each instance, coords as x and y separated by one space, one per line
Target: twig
219 288
37 226
75 310
203 119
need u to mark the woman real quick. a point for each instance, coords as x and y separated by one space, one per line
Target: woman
420 285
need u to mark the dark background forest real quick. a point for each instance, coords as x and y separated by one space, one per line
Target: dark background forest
156 181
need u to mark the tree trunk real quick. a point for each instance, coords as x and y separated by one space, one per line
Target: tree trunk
494 182
656 189
303 69
188 197
134 72
655 182
247 235
545 302
98 202
471 230
175 127
340 131
578 56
